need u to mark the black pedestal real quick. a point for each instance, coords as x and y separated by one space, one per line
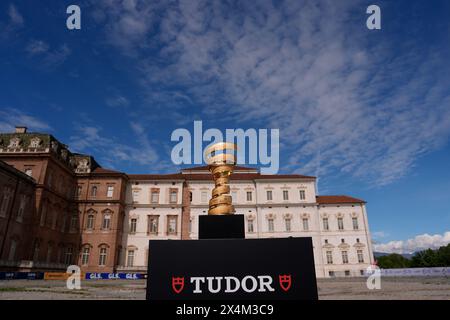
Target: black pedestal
221 227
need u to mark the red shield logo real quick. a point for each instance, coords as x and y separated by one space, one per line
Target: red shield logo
177 284
285 281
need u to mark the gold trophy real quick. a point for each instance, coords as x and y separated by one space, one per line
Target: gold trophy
221 166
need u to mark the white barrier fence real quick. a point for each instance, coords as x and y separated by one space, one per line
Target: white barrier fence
416 272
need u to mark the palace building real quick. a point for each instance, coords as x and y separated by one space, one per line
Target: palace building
59 208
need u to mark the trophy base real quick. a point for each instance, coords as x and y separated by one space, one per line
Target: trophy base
221 226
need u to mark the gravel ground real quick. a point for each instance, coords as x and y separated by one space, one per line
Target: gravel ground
391 288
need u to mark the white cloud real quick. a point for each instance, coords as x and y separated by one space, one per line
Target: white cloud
15 16
117 101
49 58
344 105
37 47
57 57
379 234
110 152
10 117
420 242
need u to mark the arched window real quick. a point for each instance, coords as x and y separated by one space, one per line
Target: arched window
106 224
130 257
90 221
94 191
85 255
12 250
36 250
102 255
49 252
68 254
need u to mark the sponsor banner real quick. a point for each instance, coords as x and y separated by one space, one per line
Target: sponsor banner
232 269
112 276
21 275
416 272
59 275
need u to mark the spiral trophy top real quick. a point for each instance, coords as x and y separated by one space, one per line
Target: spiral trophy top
221 166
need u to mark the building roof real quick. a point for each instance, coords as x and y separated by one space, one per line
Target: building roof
337 199
208 176
104 171
206 168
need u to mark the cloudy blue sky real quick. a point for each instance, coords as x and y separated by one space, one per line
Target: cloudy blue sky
367 112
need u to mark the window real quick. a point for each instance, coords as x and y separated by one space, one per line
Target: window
54 219
355 223
102 257
302 195
347 273
94 191
68 255
130 258
153 222
155 196
204 197
49 180
35 142
344 257
305 224
29 172
285 195
43 214
269 195
110 192
249 196
190 225
234 196
361 272
190 196
135 195
133 223
36 250
14 142
340 224
74 222
287 222
326 241
171 224
12 250
250 226
49 252
79 189
23 201
329 257
360 256
270 225
331 273
5 202
325 224
106 224
173 196
90 222
85 256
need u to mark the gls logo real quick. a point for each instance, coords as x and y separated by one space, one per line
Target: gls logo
232 284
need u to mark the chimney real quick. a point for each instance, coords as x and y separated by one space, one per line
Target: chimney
21 129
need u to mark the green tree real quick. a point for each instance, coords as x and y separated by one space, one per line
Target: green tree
393 261
432 258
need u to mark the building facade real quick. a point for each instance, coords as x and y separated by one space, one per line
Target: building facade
73 211
69 189
274 206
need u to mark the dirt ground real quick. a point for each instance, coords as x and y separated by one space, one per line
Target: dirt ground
337 289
